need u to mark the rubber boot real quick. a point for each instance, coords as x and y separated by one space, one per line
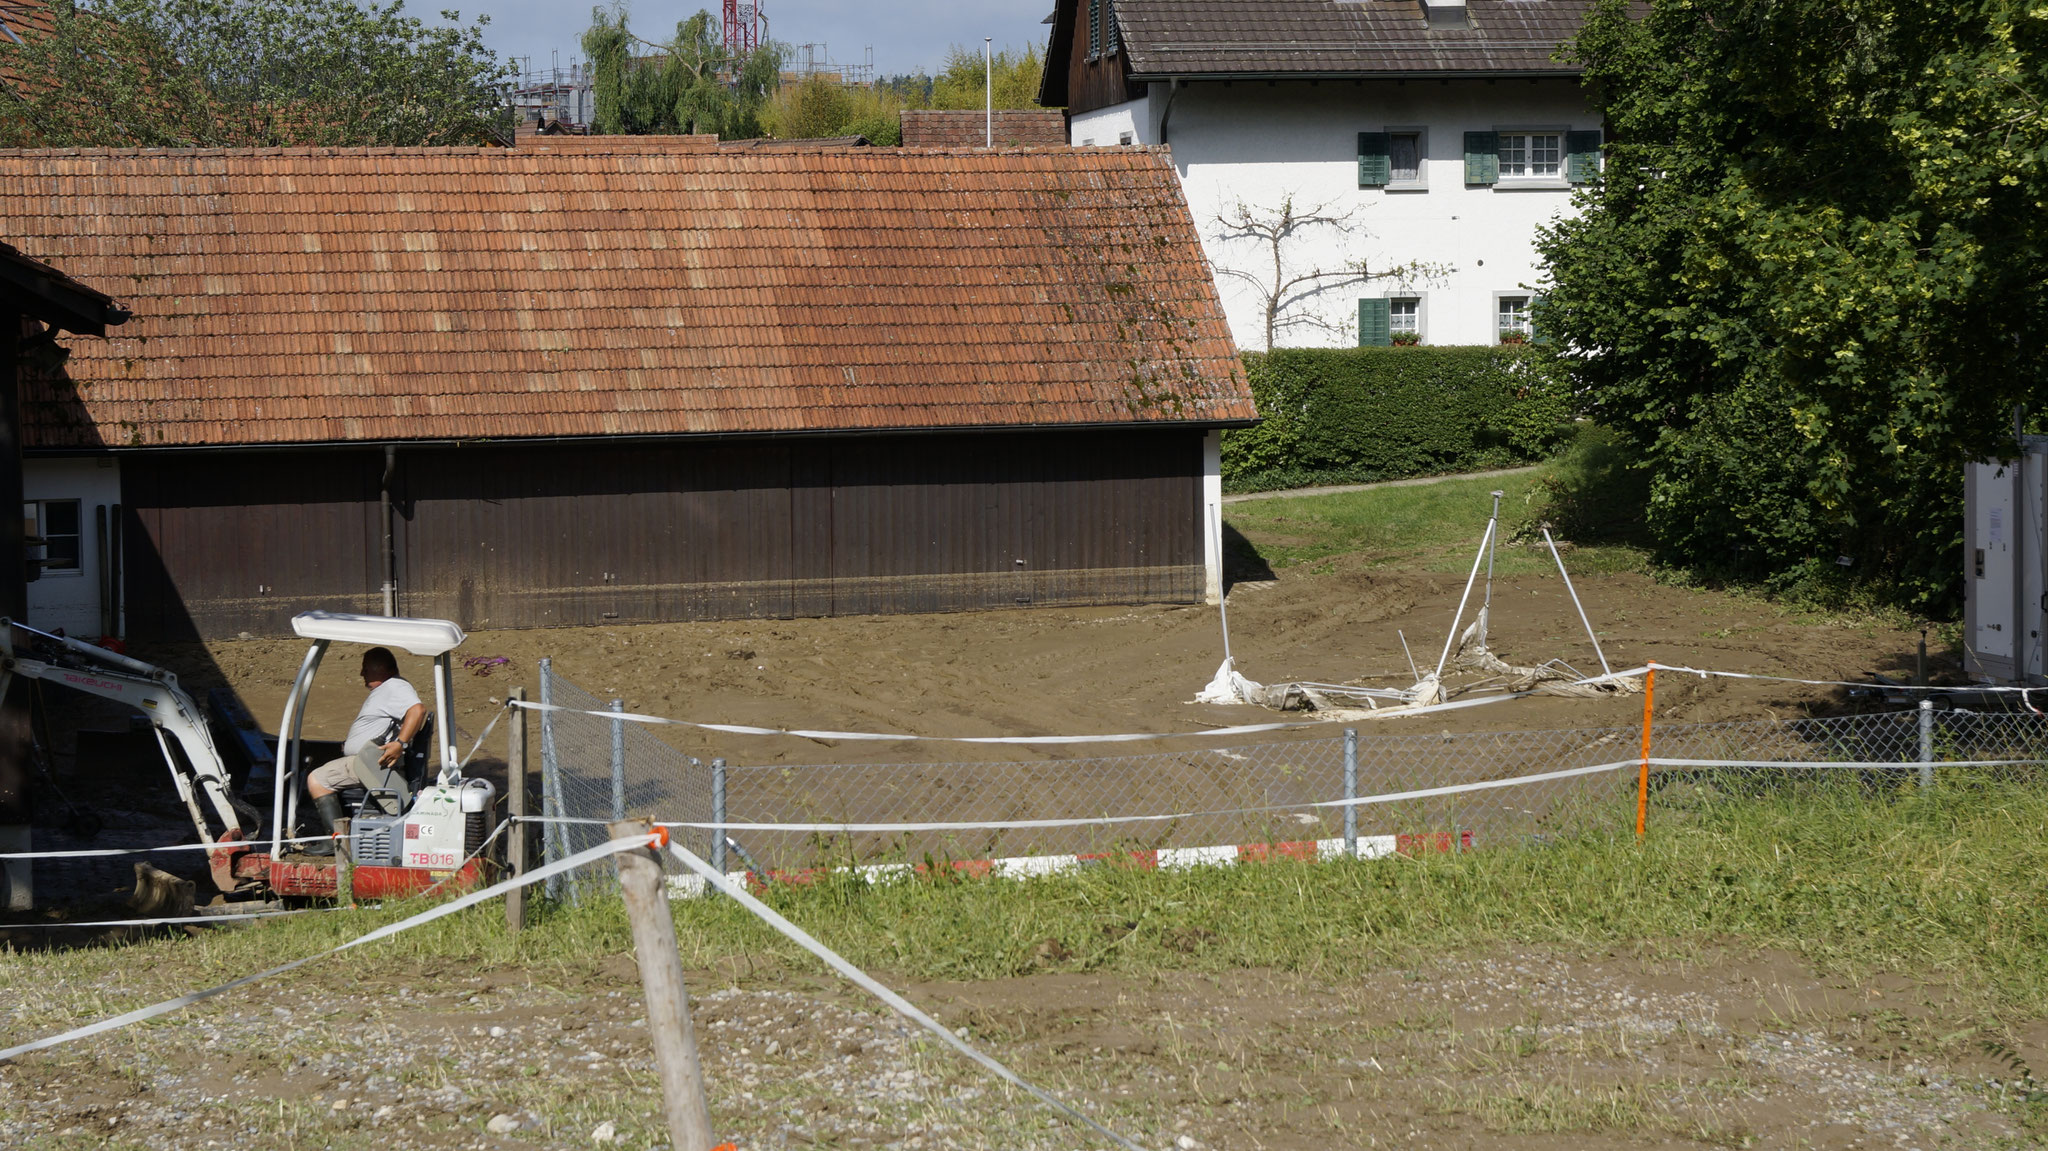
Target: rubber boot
331 813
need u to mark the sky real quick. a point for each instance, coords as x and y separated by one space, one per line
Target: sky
908 35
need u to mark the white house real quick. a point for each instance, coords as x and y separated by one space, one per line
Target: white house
1445 133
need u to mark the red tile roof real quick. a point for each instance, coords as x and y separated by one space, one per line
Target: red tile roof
311 295
1032 128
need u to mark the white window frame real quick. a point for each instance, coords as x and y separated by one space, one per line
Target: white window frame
40 530
1509 181
1421 301
1525 327
1421 181
1126 139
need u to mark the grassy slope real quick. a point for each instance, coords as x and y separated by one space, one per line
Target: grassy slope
1433 527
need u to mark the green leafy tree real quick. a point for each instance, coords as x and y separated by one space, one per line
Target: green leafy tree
1808 287
962 83
229 73
689 84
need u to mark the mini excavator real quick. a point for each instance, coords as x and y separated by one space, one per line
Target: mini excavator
399 844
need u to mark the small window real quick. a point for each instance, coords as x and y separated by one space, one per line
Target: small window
53 534
1123 138
1531 155
1404 157
1094 29
1110 40
1404 319
1514 319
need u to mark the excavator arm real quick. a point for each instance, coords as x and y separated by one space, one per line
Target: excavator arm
202 782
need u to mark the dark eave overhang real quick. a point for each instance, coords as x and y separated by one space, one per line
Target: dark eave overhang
31 287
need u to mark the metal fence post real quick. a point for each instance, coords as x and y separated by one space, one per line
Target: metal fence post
1351 791
1926 743
718 815
618 762
550 779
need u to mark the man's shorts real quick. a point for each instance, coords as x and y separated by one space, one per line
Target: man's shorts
361 770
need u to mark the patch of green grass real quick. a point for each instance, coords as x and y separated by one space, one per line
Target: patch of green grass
1944 883
1438 524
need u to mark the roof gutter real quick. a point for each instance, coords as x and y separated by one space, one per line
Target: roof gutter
642 438
1405 74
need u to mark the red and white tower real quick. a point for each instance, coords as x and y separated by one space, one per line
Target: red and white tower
745 27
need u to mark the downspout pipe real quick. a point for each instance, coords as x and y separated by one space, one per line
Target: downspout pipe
390 552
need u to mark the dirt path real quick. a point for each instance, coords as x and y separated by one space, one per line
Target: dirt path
1337 489
1509 1049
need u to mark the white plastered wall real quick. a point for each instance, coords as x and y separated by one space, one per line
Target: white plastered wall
71 600
1258 143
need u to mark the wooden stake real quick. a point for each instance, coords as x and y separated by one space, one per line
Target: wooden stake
661 981
1643 780
344 863
515 810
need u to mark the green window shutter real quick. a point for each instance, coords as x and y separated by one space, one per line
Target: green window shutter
1375 327
1536 335
1482 157
1375 166
1582 156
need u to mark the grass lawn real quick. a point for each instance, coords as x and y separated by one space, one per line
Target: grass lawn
1432 527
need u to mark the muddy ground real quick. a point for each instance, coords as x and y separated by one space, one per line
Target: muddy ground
1667 1046
1118 669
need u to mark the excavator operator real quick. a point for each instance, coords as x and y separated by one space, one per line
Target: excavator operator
371 756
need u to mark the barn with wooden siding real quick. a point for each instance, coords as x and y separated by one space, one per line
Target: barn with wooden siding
522 389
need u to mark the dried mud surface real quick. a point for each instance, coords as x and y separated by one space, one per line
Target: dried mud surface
1114 669
1720 1047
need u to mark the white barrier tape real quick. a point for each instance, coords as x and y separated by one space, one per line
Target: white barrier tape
602 851
1636 672
861 979
1105 820
1861 765
478 745
106 851
741 729
886 737
1359 801
157 922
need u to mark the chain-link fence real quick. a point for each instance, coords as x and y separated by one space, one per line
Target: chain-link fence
1230 797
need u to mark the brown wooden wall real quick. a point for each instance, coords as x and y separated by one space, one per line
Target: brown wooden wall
501 535
1096 83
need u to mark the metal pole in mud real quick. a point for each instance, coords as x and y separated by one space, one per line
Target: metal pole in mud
1566 576
1926 743
515 808
553 833
661 982
718 816
1493 536
1222 590
1351 791
618 762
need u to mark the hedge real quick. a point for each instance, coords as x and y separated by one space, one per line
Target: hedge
1356 415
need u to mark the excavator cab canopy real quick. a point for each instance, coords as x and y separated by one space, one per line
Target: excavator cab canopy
427 637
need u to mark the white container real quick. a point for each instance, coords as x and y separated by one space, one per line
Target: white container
2005 566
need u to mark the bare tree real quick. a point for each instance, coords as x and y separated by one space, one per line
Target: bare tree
1282 289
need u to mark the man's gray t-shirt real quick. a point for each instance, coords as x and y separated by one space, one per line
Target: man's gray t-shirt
382 713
